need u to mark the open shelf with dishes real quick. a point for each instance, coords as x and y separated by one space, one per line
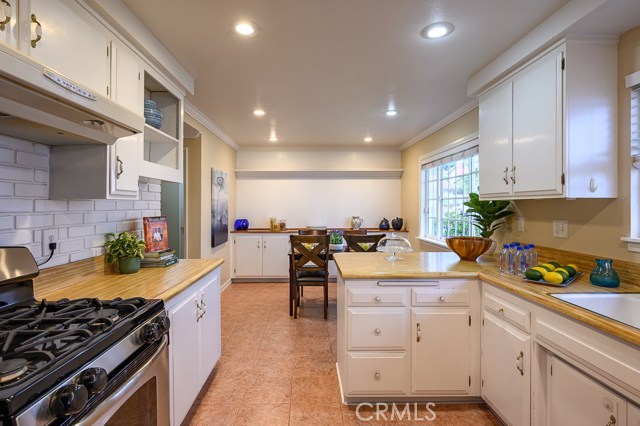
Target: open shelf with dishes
162 147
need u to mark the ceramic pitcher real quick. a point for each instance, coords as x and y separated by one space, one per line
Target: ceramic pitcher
356 222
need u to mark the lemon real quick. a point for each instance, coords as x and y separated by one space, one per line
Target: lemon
549 266
561 269
565 274
571 270
555 264
533 274
553 278
574 267
540 269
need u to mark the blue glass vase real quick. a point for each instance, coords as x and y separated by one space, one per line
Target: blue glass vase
604 275
241 224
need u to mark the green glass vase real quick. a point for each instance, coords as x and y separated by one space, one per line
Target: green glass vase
604 275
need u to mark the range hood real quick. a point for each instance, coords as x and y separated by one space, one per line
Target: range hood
40 105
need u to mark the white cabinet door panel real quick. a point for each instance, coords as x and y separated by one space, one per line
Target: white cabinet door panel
441 346
505 373
495 142
9 35
537 127
248 255
633 415
209 328
573 398
275 255
377 329
377 373
124 166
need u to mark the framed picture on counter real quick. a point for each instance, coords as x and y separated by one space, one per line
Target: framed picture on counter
155 233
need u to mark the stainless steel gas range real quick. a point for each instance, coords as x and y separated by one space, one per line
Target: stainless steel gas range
78 362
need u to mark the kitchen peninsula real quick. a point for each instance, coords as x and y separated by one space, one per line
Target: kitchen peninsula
431 327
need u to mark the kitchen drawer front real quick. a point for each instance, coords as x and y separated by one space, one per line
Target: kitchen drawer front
377 373
508 311
376 297
440 297
377 329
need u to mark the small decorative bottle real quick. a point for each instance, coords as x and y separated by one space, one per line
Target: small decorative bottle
504 259
604 275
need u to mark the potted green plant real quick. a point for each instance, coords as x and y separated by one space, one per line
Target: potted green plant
335 240
487 215
125 248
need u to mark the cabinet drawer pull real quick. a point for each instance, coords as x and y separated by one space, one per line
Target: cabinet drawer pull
378 299
443 299
37 31
7 14
119 167
418 333
612 421
501 311
513 174
506 172
520 363
377 331
378 376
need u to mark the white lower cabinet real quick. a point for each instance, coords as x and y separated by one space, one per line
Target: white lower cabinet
573 398
408 338
261 255
633 415
195 341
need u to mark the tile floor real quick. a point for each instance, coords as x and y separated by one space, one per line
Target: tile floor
275 370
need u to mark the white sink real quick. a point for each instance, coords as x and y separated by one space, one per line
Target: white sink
622 307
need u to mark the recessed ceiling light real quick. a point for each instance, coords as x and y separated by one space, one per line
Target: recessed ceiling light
245 28
259 112
368 139
437 30
391 113
273 139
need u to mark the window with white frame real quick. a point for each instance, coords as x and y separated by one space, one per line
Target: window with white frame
447 177
633 241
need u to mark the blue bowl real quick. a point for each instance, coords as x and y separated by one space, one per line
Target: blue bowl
241 224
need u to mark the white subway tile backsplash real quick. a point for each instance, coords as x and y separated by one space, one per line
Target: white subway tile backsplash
81 231
37 161
95 217
16 173
154 187
16 238
7 155
16 205
31 190
79 225
105 205
51 205
76 205
34 221
68 218
7 222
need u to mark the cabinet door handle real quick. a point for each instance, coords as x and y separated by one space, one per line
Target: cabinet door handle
612 421
506 172
418 333
7 14
378 376
443 299
520 363
378 299
377 331
501 311
513 174
198 316
203 306
119 167
37 31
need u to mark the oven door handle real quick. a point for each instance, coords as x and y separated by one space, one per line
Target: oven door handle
101 414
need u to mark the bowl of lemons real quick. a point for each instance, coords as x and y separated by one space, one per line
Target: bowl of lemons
553 273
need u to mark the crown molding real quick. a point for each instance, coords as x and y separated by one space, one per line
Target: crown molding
210 125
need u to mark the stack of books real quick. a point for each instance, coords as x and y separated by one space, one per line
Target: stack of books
159 259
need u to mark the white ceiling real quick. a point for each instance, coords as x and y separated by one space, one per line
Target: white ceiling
326 70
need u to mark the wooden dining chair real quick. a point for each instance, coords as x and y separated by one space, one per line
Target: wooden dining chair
356 242
355 232
309 266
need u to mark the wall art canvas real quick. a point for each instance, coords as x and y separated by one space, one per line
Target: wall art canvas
219 207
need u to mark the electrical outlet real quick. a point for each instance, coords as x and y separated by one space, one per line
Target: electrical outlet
561 228
48 236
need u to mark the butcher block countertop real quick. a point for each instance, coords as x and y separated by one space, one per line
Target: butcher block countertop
433 265
96 278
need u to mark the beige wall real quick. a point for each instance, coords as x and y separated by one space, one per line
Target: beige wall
205 152
458 129
595 226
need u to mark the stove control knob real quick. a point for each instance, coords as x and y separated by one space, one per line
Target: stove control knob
69 400
150 333
163 323
94 379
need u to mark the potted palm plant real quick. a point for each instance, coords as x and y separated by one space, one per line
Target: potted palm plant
487 216
125 248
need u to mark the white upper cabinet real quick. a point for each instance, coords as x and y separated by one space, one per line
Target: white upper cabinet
8 23
549 129
66 38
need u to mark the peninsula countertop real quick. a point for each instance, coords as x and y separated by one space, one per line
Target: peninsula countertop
430 265
95 278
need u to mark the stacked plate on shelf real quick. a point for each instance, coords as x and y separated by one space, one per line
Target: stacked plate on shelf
152 115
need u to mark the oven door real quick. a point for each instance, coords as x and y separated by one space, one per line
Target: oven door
141 400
